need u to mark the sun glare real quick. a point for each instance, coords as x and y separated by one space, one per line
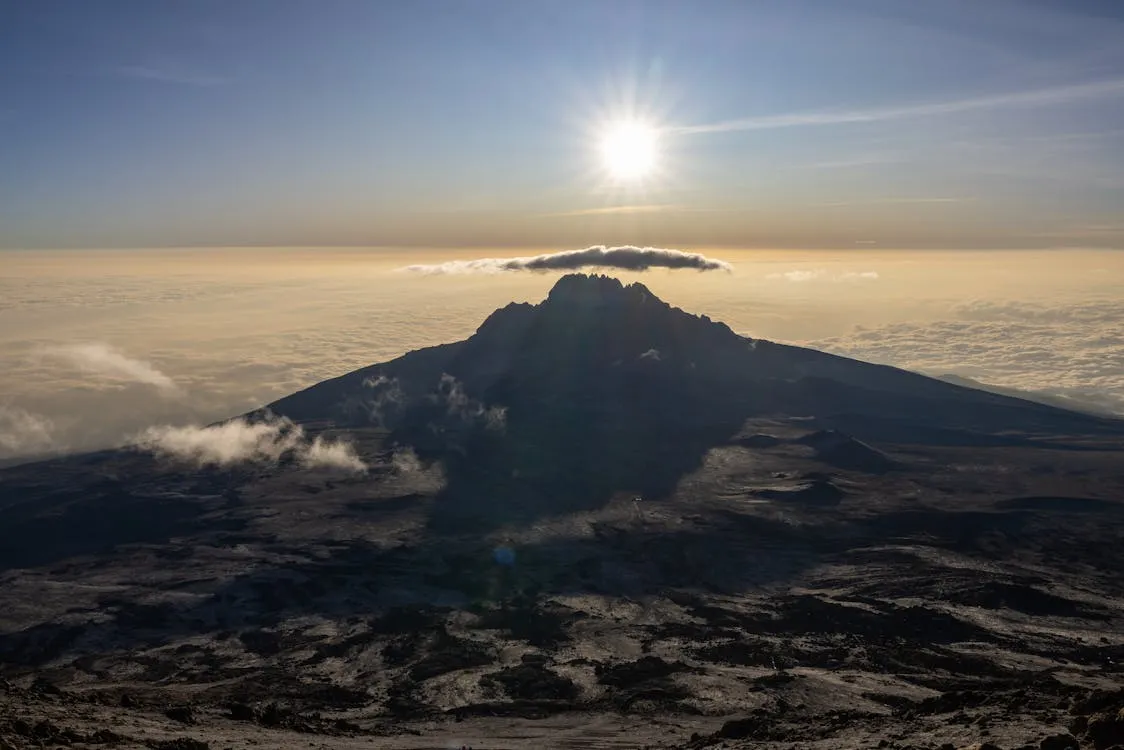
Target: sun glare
628 150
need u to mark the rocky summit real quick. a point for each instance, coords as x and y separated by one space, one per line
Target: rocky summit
598 522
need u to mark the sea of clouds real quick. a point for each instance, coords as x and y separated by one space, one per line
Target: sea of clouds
138 349
1074 351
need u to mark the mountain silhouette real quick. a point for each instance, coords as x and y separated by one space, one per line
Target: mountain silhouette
603 388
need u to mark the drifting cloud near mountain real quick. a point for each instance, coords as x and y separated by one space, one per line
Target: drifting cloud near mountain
627 257
22 432
328 454
387 399
109 363
819 274
467 409
224 444
239 441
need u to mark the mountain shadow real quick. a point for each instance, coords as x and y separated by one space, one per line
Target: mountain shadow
69 507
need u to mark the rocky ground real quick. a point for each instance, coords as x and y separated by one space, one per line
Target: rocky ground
799 590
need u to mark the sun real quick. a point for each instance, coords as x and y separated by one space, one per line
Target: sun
629 150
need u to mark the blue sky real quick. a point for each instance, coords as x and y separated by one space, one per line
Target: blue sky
811 123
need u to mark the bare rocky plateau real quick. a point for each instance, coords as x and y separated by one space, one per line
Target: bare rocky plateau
772 601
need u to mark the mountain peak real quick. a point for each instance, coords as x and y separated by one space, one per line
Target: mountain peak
596 290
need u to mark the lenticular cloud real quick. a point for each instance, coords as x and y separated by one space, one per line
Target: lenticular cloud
627 257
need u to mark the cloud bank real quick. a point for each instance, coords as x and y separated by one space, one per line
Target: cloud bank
1067 351
107 362
239 441
234 338
625 257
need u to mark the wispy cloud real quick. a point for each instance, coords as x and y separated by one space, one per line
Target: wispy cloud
650 208
626 257
239 441
110 363
879 201
852 162
1044 97
329 454
24 433
1085 232
167 75
819 274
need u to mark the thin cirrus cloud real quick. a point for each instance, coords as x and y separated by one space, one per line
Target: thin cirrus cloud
112 365
853 162
641 208
167 75
626 258
893 201
819 274
1044 97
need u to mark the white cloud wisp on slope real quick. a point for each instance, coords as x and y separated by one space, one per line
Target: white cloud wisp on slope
241 440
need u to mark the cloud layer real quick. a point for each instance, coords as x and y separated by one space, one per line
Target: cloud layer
249 327
239 441
626 257
1073 351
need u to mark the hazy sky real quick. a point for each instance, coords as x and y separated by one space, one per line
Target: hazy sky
811 123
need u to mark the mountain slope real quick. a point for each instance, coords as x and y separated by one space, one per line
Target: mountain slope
595 337
1085 403
604 388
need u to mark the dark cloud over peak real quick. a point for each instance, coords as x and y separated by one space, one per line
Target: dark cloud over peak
626 257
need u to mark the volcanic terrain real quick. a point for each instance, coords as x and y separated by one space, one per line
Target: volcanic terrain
599 522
